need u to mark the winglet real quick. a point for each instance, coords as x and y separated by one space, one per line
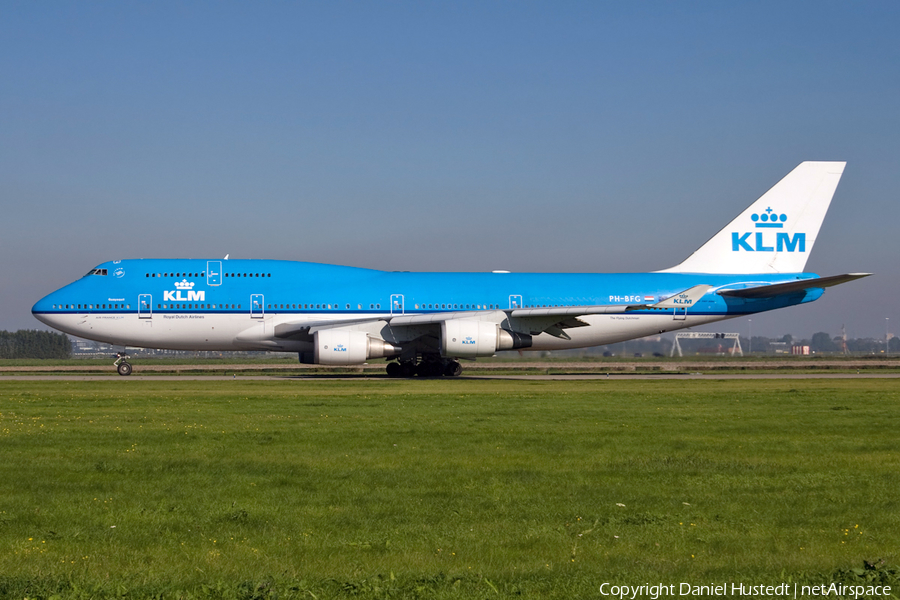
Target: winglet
684 299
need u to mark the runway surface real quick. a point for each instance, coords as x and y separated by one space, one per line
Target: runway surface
653 365
536 377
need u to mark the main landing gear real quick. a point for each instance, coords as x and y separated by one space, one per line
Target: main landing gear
427 367
122 364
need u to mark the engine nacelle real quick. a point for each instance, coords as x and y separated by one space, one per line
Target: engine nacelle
466 338
345 347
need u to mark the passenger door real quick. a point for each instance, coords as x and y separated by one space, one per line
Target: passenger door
257 308
396 304
145 306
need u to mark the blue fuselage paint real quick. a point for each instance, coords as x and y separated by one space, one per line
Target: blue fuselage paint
184 287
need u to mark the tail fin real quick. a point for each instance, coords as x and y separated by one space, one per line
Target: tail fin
777 232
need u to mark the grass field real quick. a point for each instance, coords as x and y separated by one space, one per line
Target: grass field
462 489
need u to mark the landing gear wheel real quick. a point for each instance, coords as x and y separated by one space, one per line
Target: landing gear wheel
453 369
124 369
407 369
394 369
430 368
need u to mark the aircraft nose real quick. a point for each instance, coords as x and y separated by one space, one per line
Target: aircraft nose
44 311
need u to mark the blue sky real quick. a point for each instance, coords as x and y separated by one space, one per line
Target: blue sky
443 136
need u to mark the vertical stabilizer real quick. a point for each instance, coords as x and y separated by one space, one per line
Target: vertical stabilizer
777 232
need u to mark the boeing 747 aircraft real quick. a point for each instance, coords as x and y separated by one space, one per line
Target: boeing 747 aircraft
423 323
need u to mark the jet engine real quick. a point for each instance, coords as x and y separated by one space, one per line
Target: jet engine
467 338
345 347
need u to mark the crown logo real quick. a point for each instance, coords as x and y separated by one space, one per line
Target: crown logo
769 219
184 284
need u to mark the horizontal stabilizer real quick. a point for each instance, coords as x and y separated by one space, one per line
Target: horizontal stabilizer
776 289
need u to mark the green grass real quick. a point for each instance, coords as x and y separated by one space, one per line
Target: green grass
441 488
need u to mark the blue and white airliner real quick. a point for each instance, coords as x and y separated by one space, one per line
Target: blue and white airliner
423 323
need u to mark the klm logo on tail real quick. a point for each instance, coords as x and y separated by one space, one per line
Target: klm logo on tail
765 241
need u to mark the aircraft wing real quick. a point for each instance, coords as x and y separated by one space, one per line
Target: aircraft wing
301 329
776 289
555 320
552 320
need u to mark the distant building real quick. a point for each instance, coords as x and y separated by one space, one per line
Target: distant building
800 350
780 347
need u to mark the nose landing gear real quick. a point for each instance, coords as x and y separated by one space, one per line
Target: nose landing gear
122 364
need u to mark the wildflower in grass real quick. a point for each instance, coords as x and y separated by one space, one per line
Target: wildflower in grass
620 504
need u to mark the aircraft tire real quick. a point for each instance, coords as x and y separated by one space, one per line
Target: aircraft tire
430 368
394 369
407 369
124 369
453 369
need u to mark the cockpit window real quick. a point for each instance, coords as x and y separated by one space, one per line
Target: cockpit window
97 272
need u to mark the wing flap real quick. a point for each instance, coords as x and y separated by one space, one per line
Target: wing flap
567 311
